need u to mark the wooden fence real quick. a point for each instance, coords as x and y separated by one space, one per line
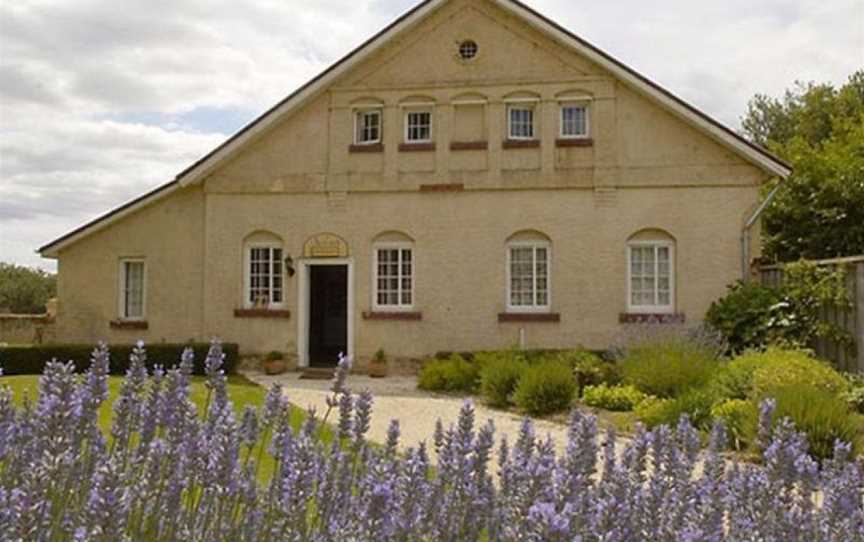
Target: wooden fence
851 319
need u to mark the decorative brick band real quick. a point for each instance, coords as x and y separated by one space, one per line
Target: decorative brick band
520 144
416 147
451 187
128 324
552 317
649 318
574 142
384 315
469 145
262 313
377 147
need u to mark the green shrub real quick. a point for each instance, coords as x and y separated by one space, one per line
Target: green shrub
746 314
544 388
782 368
740 418
855 394
668 366
617 398
453 374
499 374
824 417
590 369
31 359
274 355
696 403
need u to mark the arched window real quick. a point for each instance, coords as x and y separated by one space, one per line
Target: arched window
651 272
528 272
393 267
263 273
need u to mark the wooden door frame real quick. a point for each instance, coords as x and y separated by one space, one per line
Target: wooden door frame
303 305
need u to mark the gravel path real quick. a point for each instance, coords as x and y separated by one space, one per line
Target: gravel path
397 397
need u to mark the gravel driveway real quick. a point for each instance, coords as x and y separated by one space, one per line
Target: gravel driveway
397 397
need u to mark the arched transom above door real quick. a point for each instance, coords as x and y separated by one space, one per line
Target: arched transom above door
325 245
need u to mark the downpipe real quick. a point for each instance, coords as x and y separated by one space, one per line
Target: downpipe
745 233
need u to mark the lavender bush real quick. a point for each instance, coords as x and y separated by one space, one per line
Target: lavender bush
168 472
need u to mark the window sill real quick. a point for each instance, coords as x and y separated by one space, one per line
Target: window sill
469 145
416 147
392 315
128 324
450 187
262 313
375 147
552 317
574 142
651 318
520 144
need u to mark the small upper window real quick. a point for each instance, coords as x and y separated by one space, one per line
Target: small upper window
368 127
418 126
574 121
468 49
132 289
521 122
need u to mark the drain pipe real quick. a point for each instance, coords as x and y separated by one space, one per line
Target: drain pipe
745 234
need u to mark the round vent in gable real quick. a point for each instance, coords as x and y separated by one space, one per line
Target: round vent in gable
467 49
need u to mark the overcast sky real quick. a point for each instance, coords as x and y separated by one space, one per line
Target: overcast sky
103 100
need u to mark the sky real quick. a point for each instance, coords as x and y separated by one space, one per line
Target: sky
101 101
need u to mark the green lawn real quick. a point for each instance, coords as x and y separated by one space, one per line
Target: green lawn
241 391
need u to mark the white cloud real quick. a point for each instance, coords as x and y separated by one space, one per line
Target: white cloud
101 101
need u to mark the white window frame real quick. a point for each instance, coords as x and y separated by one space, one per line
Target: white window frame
655 308
567 105
367 111
508 290
247 274
121 301
399 307
407 131
527 106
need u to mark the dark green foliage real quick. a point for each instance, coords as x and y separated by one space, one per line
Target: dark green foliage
21 360
24 290
615 398
695 403
545 388
499 374
752 315
274 355
453 374
668 366
823 416
855 394
590 369
819 210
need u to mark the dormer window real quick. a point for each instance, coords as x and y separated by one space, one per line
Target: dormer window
418 126
574 121
368 127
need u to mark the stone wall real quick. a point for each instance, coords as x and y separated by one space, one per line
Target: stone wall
26 328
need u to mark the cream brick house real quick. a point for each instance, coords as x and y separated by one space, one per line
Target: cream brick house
472 177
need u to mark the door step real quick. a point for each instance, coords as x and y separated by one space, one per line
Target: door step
317 373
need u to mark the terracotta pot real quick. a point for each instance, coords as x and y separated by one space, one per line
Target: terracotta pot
275 367
377 369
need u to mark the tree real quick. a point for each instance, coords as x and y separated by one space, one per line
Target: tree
818 212
24 290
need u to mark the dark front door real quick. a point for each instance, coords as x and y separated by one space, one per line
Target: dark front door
328 314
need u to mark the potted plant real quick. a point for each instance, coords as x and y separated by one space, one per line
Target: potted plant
274 363
378 365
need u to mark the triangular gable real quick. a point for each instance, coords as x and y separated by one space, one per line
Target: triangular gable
200 169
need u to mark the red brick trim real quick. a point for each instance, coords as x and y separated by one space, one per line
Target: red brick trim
649 318
384 315
261 313
574 142
552 317
128 324
416 147
521 144
451 187
469 145
377 147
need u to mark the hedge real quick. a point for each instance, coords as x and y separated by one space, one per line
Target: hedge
21 360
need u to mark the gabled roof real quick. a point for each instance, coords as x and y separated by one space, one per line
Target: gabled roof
200 169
